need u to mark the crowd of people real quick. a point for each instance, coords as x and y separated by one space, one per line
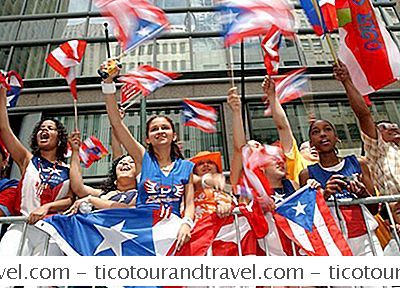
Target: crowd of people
155 174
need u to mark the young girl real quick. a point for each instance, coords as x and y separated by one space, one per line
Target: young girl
44 186
165 178
209 185
346 177
119 190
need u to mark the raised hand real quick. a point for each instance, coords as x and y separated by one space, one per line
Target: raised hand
234 100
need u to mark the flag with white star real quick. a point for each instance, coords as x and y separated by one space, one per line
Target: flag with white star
114 232
134 21
306 220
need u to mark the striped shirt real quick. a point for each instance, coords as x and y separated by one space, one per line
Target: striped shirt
384 162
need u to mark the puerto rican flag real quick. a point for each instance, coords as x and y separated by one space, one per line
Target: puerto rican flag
270 45
325 8
373 61
114 232
250 18
134 21
129 92
292 86
13 82
306 220
200 116
92 150
64 60
147 79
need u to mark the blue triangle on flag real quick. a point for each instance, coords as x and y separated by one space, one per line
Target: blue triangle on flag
300 209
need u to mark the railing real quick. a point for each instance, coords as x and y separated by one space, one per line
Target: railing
339 202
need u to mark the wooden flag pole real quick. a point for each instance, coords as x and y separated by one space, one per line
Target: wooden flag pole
327 35
76 114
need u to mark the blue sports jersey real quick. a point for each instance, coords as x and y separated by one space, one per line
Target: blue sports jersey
155 188
351 166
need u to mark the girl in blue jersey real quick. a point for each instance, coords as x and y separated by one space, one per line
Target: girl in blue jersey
165 178
346 177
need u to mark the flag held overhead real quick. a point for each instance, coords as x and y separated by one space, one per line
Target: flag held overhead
64 59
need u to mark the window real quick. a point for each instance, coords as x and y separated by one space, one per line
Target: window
150 49
96 27
71 6
208 51
182 47
305 44
95 55
165 65
41 7
70 28
183 65
38 29
141 50
11 7
8 30
4 53
165 48
173 48
174 65
29 61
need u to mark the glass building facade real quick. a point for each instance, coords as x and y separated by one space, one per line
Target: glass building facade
31 29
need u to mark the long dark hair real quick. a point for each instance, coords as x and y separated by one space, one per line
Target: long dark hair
175 151
62 138
110 183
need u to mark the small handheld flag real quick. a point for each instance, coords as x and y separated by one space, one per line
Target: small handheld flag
200 116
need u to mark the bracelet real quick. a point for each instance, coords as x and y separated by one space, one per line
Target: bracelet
189 221
108 88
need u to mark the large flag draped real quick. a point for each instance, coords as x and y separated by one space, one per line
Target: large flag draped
366 47
292 86
147 79
64 59
199 115
326 10
135 21
114 232
306 220
248 18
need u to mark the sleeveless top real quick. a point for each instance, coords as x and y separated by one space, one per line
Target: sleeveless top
123 197
352 215
43 182
156 190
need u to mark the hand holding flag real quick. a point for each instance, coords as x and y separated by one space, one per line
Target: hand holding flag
13 82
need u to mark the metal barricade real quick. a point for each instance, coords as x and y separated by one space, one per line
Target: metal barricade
385 200
22 220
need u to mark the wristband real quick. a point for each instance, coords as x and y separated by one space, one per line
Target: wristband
108 88
188 221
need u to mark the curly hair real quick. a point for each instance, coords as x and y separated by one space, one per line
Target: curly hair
175 151
62 137
110 183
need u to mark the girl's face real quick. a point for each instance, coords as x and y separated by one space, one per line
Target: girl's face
47 136
323 136
126 168
160 132
205 166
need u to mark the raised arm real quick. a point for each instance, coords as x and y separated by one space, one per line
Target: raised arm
117 150
356 100
18 152
278 115
239 138
132 146
75 173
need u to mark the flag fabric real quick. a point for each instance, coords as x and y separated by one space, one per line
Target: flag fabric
129 92
326 9
64 59
199 115
270 45
91 150
114 232
366 47
306 220
292 86
147 78
134 21
254 17
13 82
